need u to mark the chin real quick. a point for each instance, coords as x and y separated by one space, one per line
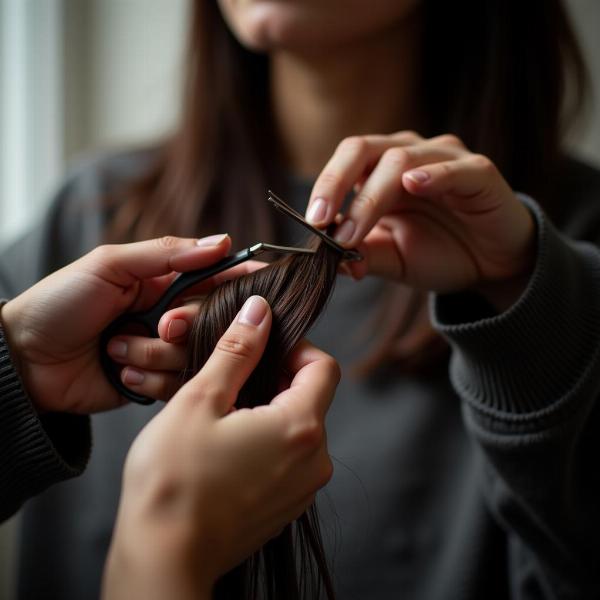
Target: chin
264 25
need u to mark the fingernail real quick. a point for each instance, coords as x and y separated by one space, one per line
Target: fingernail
132 376
345 232
117 348
211 240
418 176
253 312
176 328
317 211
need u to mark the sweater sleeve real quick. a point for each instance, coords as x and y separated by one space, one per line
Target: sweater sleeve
529 380
35 451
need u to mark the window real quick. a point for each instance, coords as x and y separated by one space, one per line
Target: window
31 108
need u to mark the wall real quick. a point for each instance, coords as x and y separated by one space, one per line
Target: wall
128 78
78 75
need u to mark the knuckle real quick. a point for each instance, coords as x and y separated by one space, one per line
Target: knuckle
150 354
332 368
166 242
450 139
365 202
483 163
354 145
209 390
408 136
102 253
309 435
235 346
397 157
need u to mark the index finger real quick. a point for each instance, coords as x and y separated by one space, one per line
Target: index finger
352 158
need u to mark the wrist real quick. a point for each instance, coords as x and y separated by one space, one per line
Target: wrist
7 322
155 561
503 294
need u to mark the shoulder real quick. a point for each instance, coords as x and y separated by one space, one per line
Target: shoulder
93 177
83 203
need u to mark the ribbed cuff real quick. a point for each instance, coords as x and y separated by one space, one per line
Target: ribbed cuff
526 365
34 452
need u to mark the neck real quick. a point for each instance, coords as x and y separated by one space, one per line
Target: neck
359 89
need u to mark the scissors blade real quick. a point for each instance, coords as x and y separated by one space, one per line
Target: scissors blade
264 247
285 208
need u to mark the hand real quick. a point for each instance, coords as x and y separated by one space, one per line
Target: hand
428 213
52 329
152 366
205 485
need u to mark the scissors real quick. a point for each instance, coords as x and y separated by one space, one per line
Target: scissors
148 319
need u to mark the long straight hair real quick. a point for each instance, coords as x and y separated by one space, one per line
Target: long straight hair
292 565
505 76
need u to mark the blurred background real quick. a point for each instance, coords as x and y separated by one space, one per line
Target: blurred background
84 76
78 76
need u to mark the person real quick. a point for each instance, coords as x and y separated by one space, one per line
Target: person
173 509
464 444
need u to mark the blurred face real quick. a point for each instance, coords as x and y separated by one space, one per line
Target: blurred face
311 24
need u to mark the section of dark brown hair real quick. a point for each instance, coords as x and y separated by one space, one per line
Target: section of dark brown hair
297 287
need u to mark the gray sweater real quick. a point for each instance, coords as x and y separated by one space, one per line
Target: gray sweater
477 481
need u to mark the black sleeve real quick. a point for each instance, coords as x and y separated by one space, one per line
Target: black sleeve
529 380
35 451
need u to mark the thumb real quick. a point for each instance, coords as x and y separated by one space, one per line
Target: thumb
234 358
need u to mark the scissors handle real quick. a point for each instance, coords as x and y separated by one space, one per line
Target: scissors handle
149 319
